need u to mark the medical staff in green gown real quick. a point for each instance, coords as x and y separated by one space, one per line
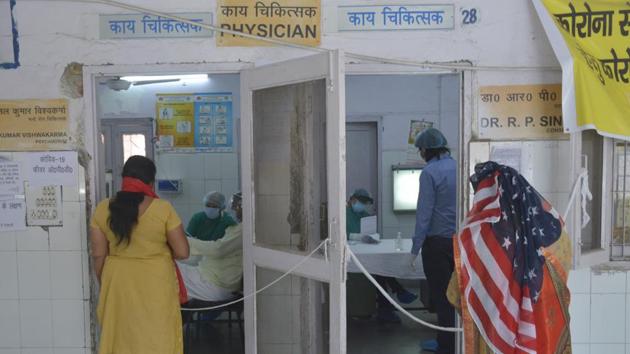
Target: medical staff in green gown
210 224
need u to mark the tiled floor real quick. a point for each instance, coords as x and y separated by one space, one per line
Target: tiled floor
364 337
216 339
369 337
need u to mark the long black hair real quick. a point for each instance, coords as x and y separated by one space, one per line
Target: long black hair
431 153
123 208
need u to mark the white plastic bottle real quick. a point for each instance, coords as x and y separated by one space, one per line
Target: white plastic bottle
398 243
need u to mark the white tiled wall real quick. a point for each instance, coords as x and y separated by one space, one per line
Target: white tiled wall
44 297
201 173
600 311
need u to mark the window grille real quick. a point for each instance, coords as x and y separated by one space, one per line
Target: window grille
621 201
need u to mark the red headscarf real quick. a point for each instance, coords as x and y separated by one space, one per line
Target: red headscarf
130 184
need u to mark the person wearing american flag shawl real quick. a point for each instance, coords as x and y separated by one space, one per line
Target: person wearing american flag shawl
511 262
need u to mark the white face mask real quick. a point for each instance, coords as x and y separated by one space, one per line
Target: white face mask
212 213
358 207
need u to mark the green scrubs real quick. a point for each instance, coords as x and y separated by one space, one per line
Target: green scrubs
202 228
353 221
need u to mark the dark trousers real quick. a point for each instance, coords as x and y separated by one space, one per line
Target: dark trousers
438 263
387 283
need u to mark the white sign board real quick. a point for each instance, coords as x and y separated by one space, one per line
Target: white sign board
395 17
52 168
43 206
11 179
135 26
12 215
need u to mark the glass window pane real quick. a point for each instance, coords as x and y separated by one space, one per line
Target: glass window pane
133 144
592 147
621 197
290 166
292 315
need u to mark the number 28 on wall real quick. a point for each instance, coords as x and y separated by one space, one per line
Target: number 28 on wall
470 16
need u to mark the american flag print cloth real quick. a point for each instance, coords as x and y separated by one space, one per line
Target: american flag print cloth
502 253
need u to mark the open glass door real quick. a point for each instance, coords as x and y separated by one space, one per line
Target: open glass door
293 181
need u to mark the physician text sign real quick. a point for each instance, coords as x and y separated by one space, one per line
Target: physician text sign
295 21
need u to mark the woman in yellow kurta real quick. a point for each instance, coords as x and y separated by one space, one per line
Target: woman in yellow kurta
135 237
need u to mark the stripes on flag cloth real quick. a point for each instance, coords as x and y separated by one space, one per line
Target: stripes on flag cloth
501 255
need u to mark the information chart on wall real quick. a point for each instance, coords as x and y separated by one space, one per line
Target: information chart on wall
199 121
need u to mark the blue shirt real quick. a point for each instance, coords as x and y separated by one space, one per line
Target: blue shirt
436 213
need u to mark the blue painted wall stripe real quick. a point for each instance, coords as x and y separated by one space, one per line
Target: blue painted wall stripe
16 44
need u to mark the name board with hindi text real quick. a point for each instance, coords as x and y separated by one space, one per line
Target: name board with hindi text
137 26
515 112
395 17
28 125
295 21
51 167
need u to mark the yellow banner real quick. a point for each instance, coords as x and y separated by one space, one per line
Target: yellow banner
515 112
175 120
596 33
295 21
32 125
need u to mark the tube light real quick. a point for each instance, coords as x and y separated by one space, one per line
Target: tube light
188 78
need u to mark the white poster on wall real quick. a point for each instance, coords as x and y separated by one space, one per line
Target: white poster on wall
43 206
52 168
11 179
12 215
508 154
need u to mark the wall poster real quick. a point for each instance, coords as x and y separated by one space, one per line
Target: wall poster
43 206
11 178
12 215
200 121
175 120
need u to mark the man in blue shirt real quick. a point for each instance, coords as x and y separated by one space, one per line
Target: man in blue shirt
435 227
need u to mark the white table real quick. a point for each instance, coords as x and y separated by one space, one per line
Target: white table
383 259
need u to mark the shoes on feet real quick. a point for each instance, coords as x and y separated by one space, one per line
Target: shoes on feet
406 297
430 345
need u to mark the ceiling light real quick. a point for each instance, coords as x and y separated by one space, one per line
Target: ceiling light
188 78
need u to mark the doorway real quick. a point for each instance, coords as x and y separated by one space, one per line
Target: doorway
362 162
122 138
265 261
